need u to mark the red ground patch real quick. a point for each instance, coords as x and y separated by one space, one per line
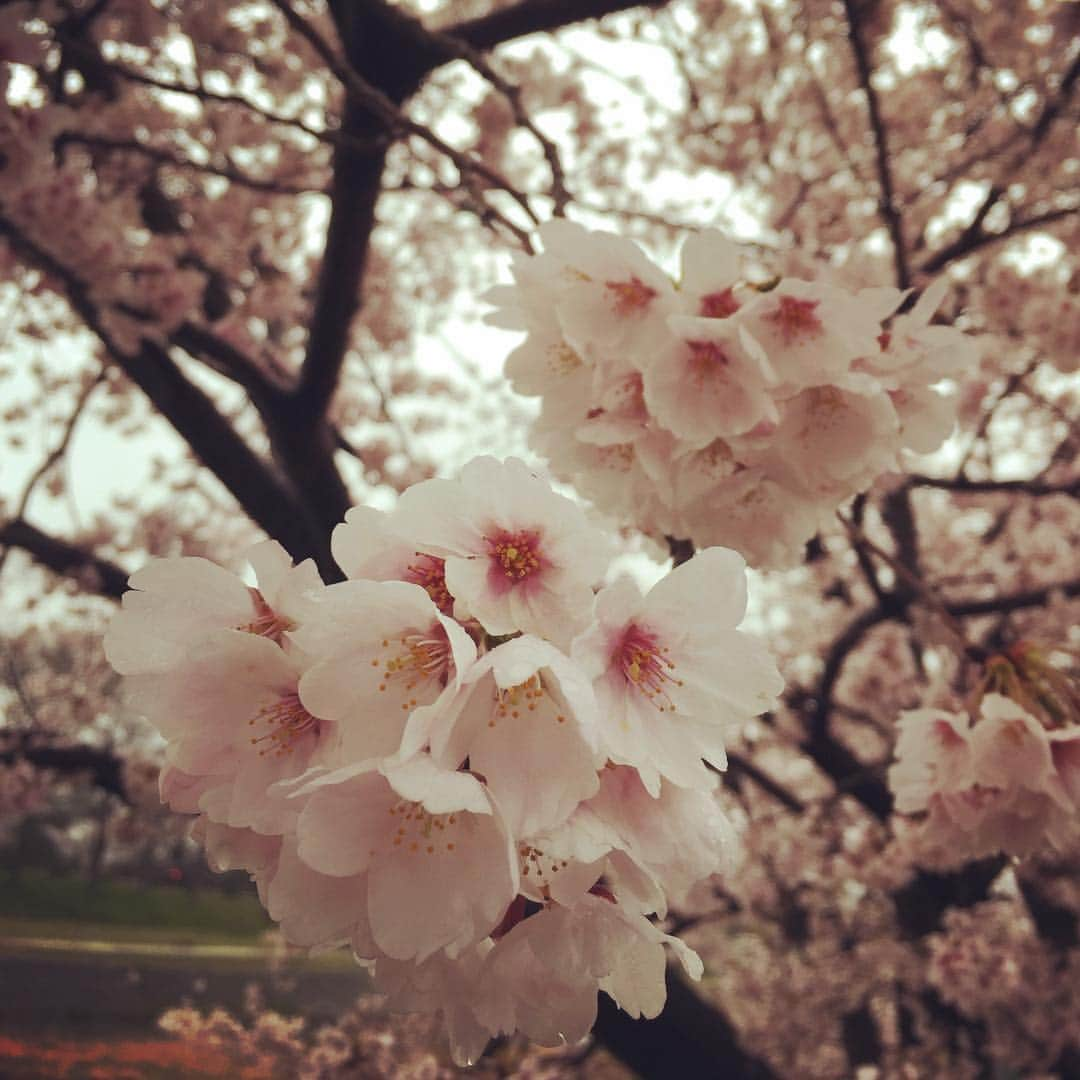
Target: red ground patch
131 1059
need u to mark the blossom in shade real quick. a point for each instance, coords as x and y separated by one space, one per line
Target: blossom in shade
836 438
681 836
995 785
315 910
236 726
426 850
440 983
173 604
549 966
671 672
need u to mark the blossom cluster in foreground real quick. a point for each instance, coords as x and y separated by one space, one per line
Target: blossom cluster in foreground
1004 782
715 410
464 760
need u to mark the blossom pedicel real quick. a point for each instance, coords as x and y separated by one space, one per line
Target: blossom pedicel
464 761
712 409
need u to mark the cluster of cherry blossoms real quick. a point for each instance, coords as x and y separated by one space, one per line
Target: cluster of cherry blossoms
714 409
1004 776
468 760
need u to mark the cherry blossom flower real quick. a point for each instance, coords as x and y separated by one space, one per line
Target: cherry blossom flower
994 786
379 651
233 715
671 672
369 545
803 389
612 292
549 966
525 718
811 331
173 604
426 851
711 381
711 269
836 439
518 556
681 835
450 985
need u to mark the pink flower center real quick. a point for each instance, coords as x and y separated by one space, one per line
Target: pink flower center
796 319
617 458
707 358
417 832
267 622
718 305
644 664
288 722
414 659
515 555
629 297
429 573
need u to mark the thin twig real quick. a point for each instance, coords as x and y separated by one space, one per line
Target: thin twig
395 121
54 455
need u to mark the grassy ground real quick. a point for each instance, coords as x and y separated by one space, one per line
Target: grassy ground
133 911
86 970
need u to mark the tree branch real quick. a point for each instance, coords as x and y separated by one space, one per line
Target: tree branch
741 766
263 497
105 768
966 244
178 161
887 207
536 17
690 1039
93 573
1009 487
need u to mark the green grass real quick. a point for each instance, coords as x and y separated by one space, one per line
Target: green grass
155 911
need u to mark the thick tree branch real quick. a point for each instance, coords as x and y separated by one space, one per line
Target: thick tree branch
690 1039
93 573
535 17
249 478
106 770
887 206
267 392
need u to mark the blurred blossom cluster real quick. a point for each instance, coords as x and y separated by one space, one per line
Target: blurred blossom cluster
714 408
469 760
1002 776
